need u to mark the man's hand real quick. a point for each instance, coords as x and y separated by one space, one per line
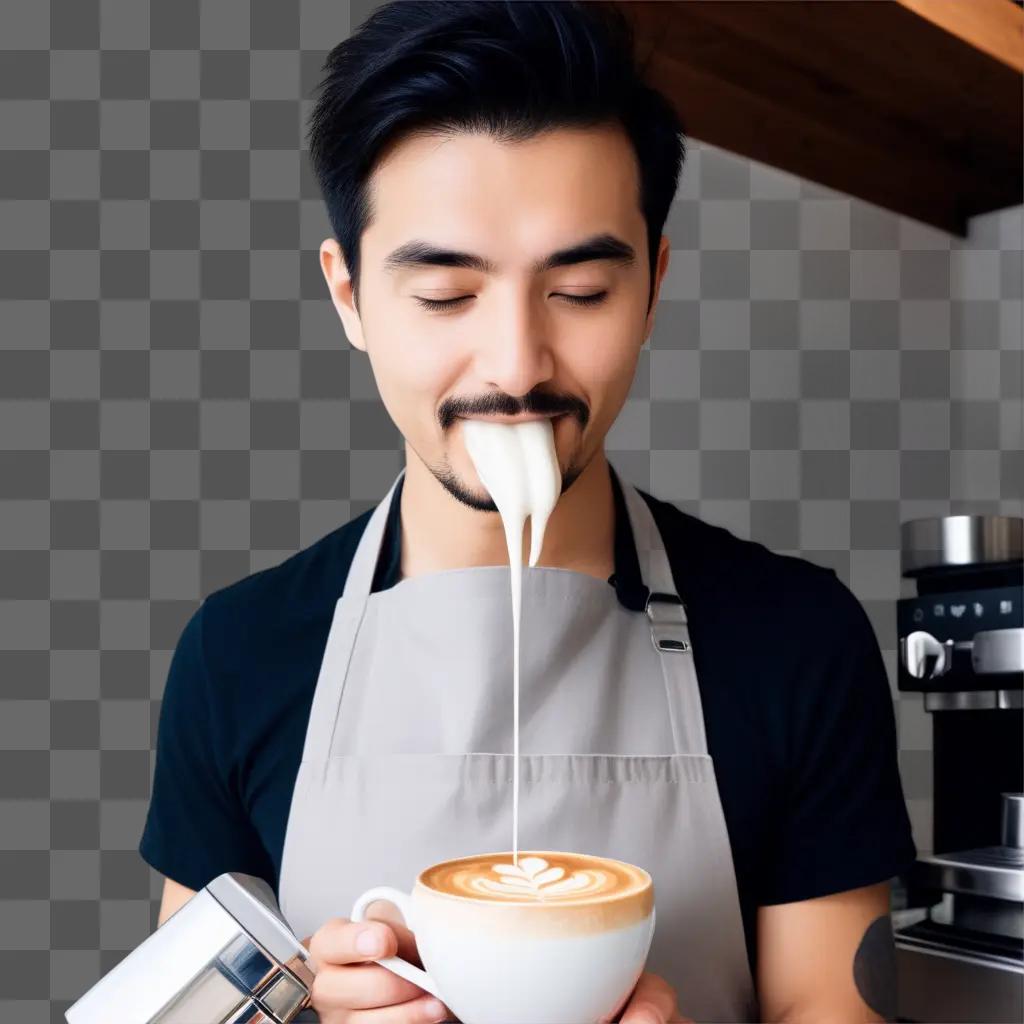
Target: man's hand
349 990
653 1002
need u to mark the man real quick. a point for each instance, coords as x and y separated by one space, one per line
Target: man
497 177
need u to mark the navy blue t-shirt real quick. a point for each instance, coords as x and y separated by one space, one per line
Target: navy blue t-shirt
797 711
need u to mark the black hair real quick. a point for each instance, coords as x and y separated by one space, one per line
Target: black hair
510 68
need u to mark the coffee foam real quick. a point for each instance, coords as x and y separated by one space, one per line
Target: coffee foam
550 892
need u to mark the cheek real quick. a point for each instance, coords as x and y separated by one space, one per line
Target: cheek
412 368
603 359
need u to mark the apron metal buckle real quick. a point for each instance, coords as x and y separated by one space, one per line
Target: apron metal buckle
668 622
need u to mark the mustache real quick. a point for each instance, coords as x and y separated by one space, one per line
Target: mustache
499 404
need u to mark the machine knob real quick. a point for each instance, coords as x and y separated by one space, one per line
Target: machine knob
1013 820
923 656
998 650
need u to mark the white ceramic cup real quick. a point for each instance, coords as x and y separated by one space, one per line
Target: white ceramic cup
525 960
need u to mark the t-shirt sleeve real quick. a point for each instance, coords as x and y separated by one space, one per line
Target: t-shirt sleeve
196 827
844 820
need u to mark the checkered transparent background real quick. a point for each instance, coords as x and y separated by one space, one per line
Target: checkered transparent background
180 406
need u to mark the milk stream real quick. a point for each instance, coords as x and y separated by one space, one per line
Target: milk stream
518 465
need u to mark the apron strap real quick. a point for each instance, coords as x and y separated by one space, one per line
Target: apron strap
670 631
348 615
664 607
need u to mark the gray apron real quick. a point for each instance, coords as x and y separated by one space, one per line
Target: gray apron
408 754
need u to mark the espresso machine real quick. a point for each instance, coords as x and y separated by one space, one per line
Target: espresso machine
961 647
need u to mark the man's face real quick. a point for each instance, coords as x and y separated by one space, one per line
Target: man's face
515 343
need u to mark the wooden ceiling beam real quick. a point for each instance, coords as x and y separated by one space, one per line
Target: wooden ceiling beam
995 27
869 98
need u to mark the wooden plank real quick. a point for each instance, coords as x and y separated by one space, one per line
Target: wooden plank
765 75
881 50
995 27
760 130
863 105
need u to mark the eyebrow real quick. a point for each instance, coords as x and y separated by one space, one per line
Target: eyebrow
418 253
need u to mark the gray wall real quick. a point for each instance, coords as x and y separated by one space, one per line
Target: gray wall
180 406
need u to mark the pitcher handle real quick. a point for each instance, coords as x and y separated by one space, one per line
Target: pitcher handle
396 964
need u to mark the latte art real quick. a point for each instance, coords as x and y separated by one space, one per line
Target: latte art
540 876
537 879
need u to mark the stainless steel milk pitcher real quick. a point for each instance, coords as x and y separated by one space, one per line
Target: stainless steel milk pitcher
225 957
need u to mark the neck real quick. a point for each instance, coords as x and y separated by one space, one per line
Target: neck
439 532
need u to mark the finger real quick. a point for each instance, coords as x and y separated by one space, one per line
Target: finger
360 987
392 917
341 941
653 1001
422 1010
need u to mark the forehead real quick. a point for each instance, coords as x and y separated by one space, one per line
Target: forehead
511 199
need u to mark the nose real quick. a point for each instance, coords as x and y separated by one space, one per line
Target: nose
516 355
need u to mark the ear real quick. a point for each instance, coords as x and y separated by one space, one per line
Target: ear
664 252
339 284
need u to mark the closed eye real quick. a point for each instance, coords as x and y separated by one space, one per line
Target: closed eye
578 300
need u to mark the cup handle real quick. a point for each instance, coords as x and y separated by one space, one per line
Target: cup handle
401 967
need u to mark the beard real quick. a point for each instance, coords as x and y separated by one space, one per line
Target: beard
451 412
457 487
